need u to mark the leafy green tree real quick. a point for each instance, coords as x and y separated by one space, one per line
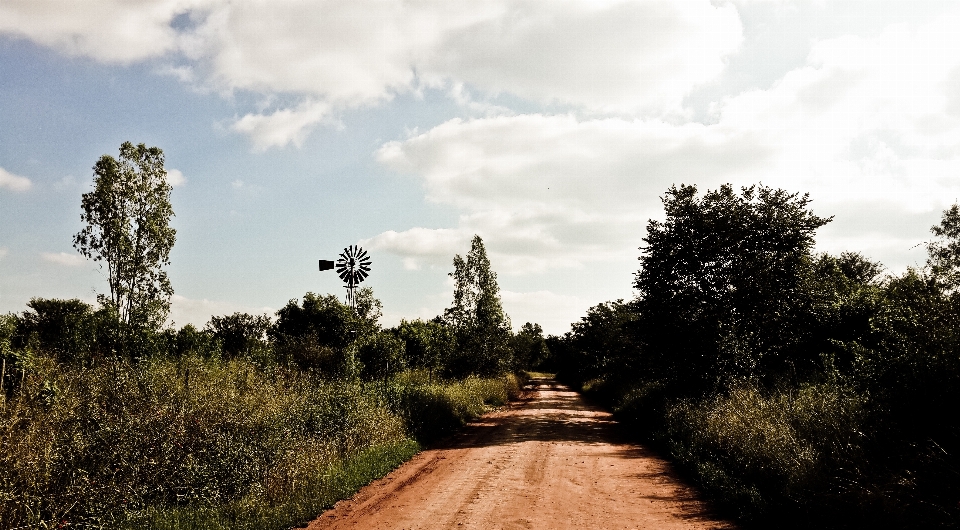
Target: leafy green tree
427 344
241 334
476 316
529 347
381 355
722 285
318 331
190 340
127 218
601 345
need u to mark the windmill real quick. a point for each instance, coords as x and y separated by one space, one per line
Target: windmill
353 267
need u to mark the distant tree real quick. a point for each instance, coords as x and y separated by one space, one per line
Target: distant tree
318 331
240 334
529 347
476 316
381 355
428 344
127 218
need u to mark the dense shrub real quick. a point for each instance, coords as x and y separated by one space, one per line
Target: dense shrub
97 446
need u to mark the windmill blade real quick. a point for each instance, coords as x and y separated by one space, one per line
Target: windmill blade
363 254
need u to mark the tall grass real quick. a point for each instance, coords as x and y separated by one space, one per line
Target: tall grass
194 443
759 448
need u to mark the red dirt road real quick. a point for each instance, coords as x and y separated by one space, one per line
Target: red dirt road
548 461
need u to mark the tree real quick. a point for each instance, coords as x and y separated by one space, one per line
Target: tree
944 251
477 316
127 218
240 334
723 282
529 347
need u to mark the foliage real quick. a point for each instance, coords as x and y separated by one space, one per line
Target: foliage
476 316
241 334
315 334
127 218
427 344
381 355
529 347
721 289
601 344
120 443
799 390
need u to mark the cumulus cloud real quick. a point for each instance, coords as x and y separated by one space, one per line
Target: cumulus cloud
555 191
175 178
113 31
282 126
14 182
615 56
870 126
419 245
63 258
608 57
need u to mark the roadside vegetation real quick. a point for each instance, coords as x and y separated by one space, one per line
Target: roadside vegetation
800 390
110 418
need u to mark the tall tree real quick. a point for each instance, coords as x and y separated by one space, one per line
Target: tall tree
477 316
127 218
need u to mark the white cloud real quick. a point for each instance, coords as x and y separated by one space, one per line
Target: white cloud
175 178
198 312
63 258
14 182
552 311
551 192
605 56
419 245
282 126
115 31
613 56
869 125
3 252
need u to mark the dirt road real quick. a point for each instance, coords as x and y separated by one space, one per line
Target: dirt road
549 461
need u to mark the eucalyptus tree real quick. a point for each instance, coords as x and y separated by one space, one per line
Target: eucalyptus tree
127 218
477 316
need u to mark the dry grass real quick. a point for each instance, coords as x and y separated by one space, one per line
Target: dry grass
95 447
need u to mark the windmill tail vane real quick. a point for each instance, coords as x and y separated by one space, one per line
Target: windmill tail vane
353 267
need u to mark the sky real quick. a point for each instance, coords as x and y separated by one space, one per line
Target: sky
551 129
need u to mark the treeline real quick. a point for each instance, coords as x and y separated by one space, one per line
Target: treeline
799 389
317 334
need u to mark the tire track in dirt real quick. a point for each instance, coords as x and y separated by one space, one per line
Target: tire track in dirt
548 461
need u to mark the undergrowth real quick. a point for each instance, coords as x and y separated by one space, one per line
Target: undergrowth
193 443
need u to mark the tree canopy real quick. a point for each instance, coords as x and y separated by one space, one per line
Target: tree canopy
127 218
723 280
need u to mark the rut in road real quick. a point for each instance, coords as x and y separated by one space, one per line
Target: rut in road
550 460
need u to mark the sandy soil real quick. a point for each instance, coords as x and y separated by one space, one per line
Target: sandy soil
548 461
